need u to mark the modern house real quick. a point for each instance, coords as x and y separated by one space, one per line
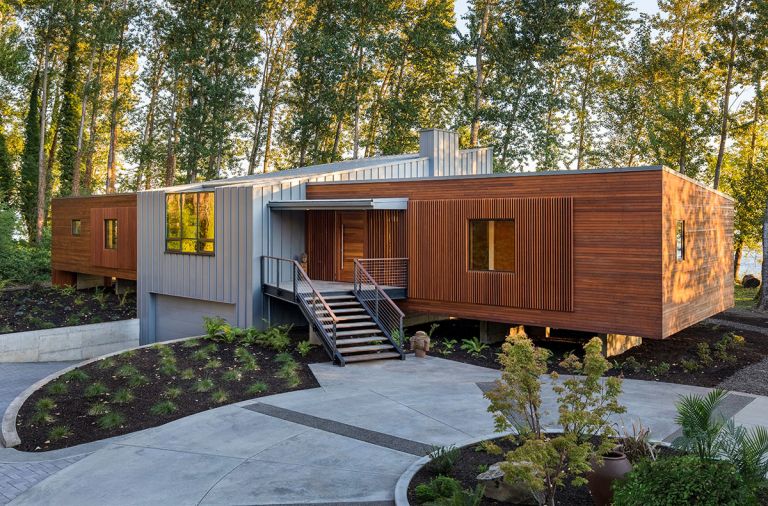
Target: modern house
93 240
351 247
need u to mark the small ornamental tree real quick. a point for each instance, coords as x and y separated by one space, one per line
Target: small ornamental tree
585 403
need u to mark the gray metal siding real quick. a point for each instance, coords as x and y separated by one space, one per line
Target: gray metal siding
475 161
224 277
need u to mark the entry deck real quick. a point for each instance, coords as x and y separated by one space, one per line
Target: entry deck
285 290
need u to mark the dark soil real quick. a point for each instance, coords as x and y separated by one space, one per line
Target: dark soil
71 407
45 307
472 461
645 362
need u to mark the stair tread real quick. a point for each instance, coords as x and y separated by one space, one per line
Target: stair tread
361 324
346 318
358 340
357 332
333 303
352 310
338 297
372 356
370 347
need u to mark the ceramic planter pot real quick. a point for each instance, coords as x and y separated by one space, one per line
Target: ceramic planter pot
600 480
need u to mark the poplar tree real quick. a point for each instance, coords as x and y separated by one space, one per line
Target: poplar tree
29 160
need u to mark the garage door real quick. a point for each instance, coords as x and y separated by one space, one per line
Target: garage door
177 317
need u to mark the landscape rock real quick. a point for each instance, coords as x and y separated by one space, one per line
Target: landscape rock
499 490
750 281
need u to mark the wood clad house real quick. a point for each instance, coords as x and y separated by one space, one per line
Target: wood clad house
352 247
93 239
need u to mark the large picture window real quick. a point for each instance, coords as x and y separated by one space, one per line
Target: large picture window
110 234
189 223
680 240
492 245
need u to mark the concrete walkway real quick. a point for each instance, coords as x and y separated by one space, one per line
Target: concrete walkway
16 377
344 443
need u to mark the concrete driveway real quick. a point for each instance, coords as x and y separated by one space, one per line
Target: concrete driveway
346 442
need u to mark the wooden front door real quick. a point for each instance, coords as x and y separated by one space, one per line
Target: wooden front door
350 227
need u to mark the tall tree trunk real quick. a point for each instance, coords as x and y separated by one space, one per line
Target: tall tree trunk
737 253
479 77
270 125
356 130
255 147
148 134
81 125
42 181
173 128
727 94
55 118
92 128
111 174
762 303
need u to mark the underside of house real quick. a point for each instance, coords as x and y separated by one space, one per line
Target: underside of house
352 248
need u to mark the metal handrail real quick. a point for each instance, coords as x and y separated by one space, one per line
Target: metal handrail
382 307
319 304
391 272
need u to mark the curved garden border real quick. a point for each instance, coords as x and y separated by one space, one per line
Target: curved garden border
9 437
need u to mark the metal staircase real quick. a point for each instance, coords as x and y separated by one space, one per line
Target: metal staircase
354 326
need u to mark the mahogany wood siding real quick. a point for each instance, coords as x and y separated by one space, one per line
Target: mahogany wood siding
385 238
438 248
616 245
85 253
701 284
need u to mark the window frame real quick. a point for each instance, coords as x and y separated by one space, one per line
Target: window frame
680 246
199 242
470 223
79 227
115 235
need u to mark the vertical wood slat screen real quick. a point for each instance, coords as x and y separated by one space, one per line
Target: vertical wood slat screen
438 248
320 244
386 234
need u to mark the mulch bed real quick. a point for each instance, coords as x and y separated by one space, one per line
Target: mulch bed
473 461
44 307
71 407
644 362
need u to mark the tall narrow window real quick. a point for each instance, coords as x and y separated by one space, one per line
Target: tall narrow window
110 234
680 240
75 227
189 223
492 245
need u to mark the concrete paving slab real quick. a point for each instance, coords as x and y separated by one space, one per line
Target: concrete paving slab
130 476
258 482
229 431
331 451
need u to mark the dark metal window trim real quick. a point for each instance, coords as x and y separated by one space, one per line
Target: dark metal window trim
680 249
79 229
469 246
180 239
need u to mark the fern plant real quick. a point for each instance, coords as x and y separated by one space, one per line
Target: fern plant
473 346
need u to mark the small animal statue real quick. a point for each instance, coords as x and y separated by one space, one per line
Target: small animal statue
420 344
303 261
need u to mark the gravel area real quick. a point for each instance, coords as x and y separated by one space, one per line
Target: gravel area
752 379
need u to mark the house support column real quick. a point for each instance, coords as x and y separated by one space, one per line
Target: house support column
313 337
616 344
492 332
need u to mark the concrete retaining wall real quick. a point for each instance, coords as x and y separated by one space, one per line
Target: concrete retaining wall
80 342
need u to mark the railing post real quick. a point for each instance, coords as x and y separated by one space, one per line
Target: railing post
295 295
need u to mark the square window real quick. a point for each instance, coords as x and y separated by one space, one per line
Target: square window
75 227
110 234
492 245
189 223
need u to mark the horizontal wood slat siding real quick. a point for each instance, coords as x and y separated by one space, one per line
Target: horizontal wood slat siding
78 253
438 248
701 285
616 235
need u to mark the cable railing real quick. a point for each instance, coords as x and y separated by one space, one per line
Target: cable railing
384 312
287 274
388 272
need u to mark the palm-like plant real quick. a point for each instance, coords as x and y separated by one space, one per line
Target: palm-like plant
710 436
701 426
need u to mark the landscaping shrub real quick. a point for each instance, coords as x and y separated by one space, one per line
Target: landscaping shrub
303 348
257 388
473 346
437 488
443 459
163 408
683 480
21 262
275 338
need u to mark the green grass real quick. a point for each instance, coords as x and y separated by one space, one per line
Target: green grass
163 408
220 396
95 389
257 388
744 297
111 421
204 385
123 396
60 432
98 409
